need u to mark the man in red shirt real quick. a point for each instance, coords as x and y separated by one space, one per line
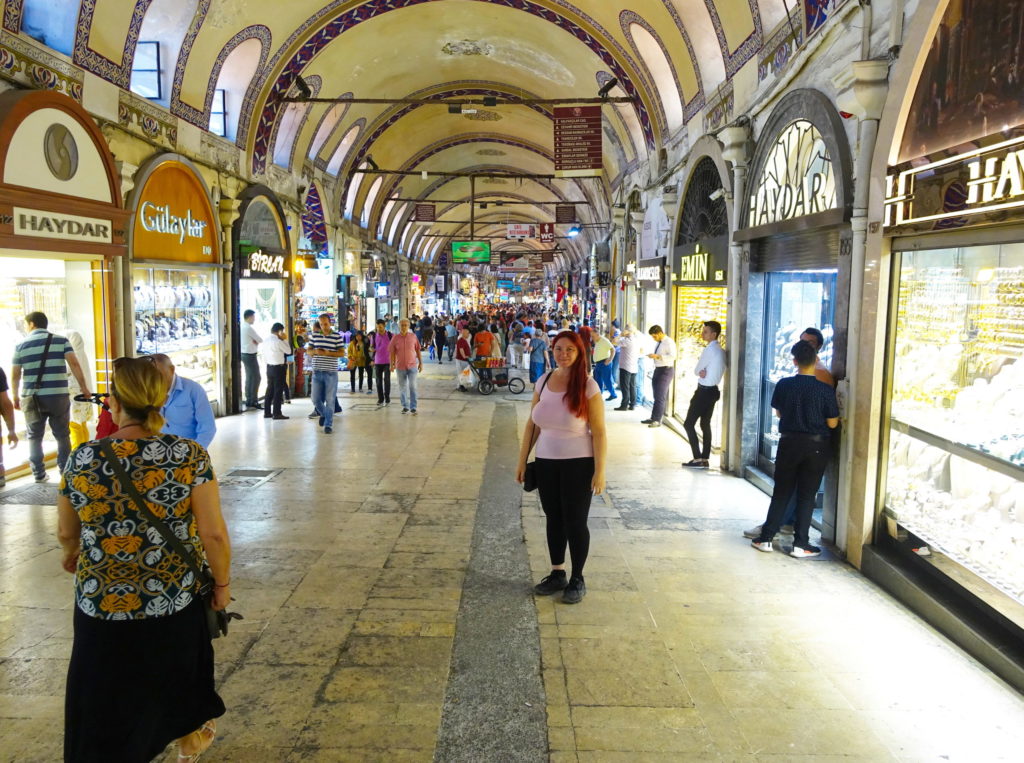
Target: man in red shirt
407 361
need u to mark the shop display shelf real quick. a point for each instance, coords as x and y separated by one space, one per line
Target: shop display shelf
979 457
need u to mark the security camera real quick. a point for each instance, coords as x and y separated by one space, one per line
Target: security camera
607 87
717 194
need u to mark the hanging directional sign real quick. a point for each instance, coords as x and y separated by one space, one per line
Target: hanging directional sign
547 233
425 213
547 256
520 231
578 141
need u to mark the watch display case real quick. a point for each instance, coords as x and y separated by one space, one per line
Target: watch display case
176 314
694 305
955 475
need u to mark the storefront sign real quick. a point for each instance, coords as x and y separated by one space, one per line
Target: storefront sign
578 140
797 178
959 191
260 264
31 222
650 274
703 263
174 217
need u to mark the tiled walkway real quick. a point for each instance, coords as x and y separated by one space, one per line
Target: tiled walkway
352 562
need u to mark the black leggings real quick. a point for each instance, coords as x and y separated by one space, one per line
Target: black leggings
358 371
564 486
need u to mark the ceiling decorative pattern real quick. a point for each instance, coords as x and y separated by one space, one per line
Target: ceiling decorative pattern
118 73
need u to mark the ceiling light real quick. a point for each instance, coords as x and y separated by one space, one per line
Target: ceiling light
574 231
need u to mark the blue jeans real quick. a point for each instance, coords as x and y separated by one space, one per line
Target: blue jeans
603 377
407 387
536 371
324 393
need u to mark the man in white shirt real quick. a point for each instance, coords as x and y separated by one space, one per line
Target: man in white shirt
710 369
604 354
275 353
664 357
249 346
628 344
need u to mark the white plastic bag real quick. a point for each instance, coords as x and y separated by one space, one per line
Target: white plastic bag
465 377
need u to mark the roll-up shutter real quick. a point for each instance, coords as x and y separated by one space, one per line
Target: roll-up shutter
803 250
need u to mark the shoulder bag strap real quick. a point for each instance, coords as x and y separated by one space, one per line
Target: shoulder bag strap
179 548
536 429
42 361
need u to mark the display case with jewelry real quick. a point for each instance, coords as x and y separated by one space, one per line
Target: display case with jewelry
175 314
955 467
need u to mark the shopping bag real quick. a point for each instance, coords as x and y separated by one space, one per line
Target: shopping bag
465 377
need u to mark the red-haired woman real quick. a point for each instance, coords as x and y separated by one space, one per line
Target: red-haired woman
568 414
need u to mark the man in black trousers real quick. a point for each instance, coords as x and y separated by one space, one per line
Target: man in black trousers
808 410
710 370
664 357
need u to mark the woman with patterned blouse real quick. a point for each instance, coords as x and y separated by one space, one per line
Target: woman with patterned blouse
141 672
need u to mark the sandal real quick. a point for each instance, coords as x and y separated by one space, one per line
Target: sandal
211 727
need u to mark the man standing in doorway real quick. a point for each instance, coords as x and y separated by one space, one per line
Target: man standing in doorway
629 350
250 345
816 339
39 367
807 411
407 361
710 370
187 411
325 349
663 357
380 348
275 352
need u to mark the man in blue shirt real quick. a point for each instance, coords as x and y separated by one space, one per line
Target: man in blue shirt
40 368
187 410
808 412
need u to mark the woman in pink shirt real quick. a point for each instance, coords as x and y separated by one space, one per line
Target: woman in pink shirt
567 420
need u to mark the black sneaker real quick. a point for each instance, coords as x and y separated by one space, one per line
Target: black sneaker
553 583
574 592
42 477
804 552
405 410
328 430
321 421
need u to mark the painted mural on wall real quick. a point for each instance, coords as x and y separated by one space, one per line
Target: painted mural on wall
970 86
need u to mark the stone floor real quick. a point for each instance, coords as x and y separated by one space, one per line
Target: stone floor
384 579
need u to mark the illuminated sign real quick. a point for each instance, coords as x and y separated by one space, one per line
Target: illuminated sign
797 178
650 274
266 264
957 191
160 219
471 252
174 217
694 267
702 263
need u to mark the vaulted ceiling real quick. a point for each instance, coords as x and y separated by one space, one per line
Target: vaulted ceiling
666 54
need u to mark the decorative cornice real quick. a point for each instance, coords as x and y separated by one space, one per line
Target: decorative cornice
36 67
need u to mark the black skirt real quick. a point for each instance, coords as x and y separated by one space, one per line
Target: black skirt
134 686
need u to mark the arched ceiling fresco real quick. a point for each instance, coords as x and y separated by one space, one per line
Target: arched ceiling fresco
667 55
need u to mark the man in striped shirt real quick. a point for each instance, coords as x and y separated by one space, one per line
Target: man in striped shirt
325 348
40 367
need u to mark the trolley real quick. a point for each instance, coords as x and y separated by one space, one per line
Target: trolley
491 373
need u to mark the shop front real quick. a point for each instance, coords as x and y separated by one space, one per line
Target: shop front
651 279
62 229
700 281
262 270
175 273
950 508
797 228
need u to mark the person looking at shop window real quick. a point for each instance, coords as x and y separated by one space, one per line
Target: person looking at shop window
187 412
249 347
141 670
663 357
276 351
567 423
710 370
44 359
325 348
807 411
628 352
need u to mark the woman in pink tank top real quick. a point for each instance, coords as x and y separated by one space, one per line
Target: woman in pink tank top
567 422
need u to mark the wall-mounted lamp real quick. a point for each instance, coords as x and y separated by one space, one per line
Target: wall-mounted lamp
574 231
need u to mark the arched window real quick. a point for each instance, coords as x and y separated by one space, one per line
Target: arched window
156 53
292 120
52 22
364 217
235 76
661 72
353 193
396 221
334 166
328 122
